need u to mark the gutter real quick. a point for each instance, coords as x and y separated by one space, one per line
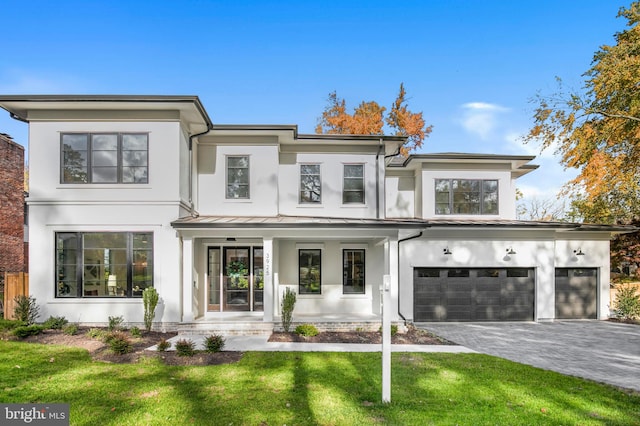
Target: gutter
17 117
402 241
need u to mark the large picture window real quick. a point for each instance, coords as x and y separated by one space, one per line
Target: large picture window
105 158
110 264
466 196
237 177
353 271
353 184
309 273
310 185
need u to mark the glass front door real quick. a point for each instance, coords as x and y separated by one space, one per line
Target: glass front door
235 279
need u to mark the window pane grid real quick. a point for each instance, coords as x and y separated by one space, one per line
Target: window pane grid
353 271
466 196
237 177
103 264
353 184
309 271
310 184
104 158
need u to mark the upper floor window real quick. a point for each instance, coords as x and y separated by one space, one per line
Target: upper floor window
353 185
105 158
237 177
310 185
466 196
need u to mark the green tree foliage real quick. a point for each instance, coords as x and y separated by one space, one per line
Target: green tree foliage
369 119
597 130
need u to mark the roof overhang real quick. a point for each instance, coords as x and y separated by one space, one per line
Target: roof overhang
518 164
59 107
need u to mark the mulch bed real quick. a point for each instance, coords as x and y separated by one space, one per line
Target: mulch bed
413 336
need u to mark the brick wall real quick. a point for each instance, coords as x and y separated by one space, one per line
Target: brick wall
11 206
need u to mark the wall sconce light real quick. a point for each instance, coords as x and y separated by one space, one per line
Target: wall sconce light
578 252
446 251
510 250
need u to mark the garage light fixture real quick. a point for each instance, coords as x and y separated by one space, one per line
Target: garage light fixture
446 251
578 252
510 250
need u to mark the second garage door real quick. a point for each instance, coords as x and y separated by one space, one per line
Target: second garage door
576 291
480 294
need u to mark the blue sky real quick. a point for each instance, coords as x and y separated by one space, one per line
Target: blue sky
470 66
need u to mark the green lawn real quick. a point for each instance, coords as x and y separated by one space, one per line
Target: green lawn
267 388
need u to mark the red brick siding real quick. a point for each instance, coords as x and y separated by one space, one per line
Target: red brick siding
11 206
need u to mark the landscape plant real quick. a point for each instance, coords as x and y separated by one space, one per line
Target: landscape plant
118 342
55 323
185 347
96 333
150 299
70 330
26 309
115 323
214 343
307 330
627 304
288 303
163 345
27 330
135 331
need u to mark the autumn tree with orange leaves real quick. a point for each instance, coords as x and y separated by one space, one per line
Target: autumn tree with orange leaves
597 130
369 119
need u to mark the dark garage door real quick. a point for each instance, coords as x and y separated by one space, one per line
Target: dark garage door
484 294
576 291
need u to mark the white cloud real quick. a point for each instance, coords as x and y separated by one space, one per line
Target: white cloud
481 118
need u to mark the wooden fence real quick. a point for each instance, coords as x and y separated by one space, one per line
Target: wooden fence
15 284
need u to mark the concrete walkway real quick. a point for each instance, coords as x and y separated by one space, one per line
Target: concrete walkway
260 344
603 351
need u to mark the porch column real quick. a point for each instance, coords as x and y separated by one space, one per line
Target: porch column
187 279
391 269
267 246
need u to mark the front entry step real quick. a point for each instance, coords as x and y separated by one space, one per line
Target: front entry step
230 328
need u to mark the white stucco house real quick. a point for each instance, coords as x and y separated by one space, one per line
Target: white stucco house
127 192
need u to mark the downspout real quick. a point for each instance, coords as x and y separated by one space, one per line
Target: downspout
378 180
402 241
192 209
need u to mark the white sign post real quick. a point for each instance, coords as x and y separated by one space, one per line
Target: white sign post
386 338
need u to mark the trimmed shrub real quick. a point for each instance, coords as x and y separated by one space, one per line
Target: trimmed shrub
55 323
26 309
135 331
288 303
150 300
70 330
118 342
96 333
308 330
27 330
163 345
6 325
214 343
115 323
627 304
185 347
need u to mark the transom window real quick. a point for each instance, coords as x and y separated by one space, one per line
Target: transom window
353 185
237 177
309 271
310 184
109 264
353 271
466 196
105 158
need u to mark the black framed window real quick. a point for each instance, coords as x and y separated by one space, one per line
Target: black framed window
104 158
309 271
237 177
103 264
310 184
353 184
466 196
353 271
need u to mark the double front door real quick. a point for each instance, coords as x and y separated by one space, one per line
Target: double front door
236 279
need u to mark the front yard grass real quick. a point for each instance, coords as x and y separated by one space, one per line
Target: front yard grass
271 388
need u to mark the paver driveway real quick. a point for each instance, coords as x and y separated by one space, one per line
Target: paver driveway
603 351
